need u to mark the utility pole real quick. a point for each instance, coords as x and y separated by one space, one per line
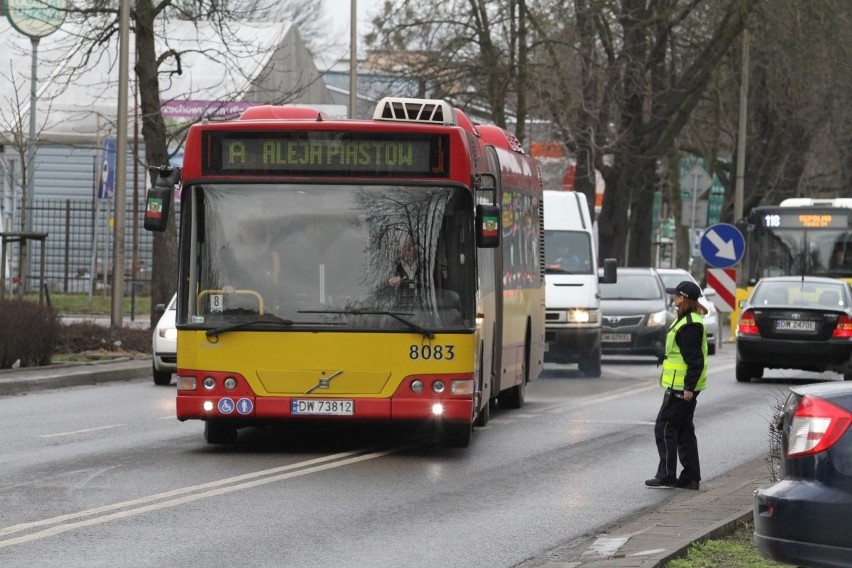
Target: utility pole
353 57
741 134
117 312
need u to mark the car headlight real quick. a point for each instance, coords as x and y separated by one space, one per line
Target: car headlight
657 319
581 315
168 333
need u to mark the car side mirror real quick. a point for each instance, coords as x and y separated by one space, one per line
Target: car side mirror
159 310
610 271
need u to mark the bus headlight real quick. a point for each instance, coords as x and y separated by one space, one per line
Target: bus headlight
417 386
209 383
464 386
437 409
186 383
230 383
438 387
208 405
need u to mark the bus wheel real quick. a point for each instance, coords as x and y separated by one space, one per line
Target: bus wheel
513 397
456 435
484 415
217 432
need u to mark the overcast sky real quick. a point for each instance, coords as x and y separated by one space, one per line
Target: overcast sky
339 12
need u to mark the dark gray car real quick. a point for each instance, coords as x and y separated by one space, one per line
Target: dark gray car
635 313
795 322
804 518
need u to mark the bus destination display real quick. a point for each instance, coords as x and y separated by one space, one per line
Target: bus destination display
801 220
325 153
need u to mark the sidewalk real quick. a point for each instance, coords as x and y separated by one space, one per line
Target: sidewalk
647 540
651 539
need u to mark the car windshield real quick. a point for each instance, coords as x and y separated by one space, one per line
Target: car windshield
672 279
568 252
796 293
633 287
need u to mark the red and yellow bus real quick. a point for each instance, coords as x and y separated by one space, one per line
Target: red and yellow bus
383 270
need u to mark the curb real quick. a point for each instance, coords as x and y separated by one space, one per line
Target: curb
658 535
31 379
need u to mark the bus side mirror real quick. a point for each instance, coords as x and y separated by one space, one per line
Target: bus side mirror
610 271
487 226
159 199
157 209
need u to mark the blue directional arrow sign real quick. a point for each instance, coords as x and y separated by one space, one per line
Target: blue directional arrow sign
722 245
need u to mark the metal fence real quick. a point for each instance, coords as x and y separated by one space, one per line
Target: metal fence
79 247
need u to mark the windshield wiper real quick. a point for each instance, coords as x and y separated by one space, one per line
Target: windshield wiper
244 324
428 333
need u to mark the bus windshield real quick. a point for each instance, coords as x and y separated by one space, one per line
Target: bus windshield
786 252
372 257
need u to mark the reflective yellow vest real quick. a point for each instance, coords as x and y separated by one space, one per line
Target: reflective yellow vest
674 367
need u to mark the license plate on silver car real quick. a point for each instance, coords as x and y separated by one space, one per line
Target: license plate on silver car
322 407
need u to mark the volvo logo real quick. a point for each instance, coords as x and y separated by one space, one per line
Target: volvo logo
324 382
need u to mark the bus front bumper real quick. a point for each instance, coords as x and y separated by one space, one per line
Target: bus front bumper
202 407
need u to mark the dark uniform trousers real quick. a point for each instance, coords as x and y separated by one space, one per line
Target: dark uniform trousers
675 435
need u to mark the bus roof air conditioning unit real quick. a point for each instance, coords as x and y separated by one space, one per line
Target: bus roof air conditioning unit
433 111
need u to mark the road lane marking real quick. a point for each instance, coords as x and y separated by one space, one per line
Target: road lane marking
605 546
559 407
87 430
633 422
174 498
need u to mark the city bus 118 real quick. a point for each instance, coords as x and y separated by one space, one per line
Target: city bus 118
385 270
799 237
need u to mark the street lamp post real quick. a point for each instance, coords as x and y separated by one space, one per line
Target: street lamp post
35 20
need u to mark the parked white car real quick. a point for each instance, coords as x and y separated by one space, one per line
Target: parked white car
712 321
164 345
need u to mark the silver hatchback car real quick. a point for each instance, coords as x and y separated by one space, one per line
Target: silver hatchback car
712 321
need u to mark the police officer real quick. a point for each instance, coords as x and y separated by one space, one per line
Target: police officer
684 376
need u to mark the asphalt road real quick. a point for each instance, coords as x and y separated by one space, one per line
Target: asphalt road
105 476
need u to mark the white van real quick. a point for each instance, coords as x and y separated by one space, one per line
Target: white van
573 317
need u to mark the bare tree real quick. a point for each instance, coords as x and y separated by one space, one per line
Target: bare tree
98 25
655 96
798 119
14 125
608 79
473 52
